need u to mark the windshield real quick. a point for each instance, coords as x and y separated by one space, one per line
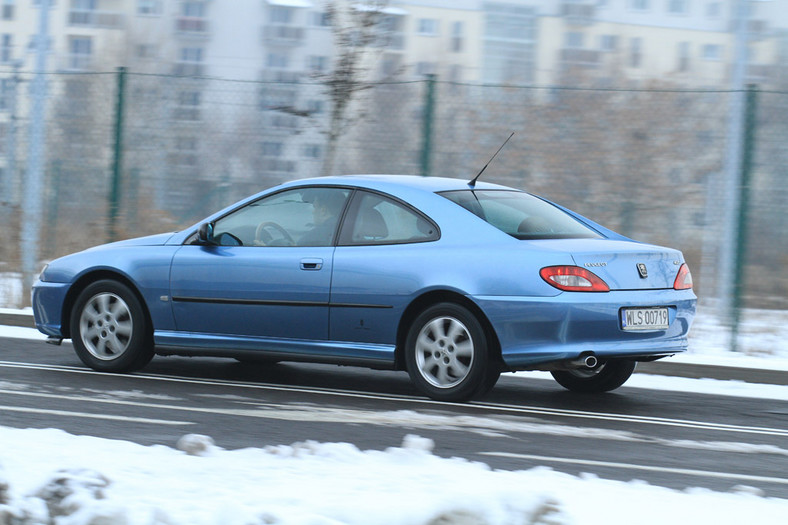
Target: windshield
521 215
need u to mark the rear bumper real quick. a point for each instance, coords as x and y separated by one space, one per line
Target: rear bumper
533 331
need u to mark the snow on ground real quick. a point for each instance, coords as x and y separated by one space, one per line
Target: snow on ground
101 481
49 476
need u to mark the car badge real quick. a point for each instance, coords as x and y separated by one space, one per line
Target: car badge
642 270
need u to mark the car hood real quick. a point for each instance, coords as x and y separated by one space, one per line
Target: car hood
150 240
616 262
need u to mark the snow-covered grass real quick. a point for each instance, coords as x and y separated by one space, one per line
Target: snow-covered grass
88 481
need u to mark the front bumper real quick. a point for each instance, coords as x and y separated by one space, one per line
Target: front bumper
48 300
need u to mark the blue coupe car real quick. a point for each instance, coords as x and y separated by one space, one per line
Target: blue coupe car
450 280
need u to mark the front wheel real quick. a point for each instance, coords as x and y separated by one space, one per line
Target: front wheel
109 329
602 378
447 354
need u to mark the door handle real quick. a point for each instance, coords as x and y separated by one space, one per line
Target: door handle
311 264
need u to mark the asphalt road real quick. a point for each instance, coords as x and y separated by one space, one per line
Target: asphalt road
665 438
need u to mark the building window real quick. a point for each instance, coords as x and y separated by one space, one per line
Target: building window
574 39
427 27
713 10
608 42
146 51
321 19
280 15
426 68
678 7
314 107
7 87
80 52
712 52
313 151
456 37
272 149
6 48
317 64
189 62
635 52
188 105
279 60
193 9
8 10
684 57
148 7
639 5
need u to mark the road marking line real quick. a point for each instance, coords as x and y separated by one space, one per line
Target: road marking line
649 420
93 416
648 468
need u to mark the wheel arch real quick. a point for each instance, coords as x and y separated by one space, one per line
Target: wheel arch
86 280
428 299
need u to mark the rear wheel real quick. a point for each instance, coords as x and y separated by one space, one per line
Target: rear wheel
606 376
109 329
447 354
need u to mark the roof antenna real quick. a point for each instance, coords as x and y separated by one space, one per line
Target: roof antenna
472 183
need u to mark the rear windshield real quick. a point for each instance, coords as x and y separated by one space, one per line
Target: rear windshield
521 215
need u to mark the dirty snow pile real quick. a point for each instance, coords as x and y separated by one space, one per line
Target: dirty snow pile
51 477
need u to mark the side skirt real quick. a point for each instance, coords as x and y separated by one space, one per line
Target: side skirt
335 352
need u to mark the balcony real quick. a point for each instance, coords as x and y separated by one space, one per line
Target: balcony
394 41
581 57
192 26
97 19
283 35
578 14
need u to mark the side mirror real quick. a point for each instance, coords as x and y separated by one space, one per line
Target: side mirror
205 234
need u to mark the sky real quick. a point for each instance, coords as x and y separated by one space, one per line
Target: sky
84 480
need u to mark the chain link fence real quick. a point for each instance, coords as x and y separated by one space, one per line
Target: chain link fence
648 163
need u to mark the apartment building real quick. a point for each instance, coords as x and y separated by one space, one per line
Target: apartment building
284 50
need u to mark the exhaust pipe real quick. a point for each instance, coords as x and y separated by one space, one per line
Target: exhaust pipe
584 361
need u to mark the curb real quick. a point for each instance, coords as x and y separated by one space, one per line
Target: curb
664 367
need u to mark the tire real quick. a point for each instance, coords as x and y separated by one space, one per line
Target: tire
607 376
109 328
447 354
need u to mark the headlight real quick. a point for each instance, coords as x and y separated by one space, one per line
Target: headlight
41 276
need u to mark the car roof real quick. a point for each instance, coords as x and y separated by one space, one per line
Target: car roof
392 182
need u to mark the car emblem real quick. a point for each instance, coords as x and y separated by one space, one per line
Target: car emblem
642 270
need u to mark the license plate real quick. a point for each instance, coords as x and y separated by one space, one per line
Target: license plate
644 318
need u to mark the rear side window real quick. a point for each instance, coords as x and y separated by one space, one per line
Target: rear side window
521 215
376 219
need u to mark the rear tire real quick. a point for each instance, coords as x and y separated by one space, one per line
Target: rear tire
603 378
447 354
109 328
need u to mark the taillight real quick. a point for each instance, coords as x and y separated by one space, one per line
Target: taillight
573 279
683 279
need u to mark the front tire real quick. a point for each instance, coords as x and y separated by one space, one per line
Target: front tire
603 378
109 328
447 354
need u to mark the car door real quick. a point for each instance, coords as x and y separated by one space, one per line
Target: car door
268 271
379 265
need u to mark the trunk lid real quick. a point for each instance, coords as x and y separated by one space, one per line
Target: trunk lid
622 264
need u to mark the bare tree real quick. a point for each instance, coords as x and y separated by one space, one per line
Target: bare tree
356 30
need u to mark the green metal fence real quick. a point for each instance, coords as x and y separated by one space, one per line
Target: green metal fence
135 154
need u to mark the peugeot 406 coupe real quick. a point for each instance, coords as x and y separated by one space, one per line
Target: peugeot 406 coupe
452 281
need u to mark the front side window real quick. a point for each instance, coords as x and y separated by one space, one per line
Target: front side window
521 215
297 217
377 219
